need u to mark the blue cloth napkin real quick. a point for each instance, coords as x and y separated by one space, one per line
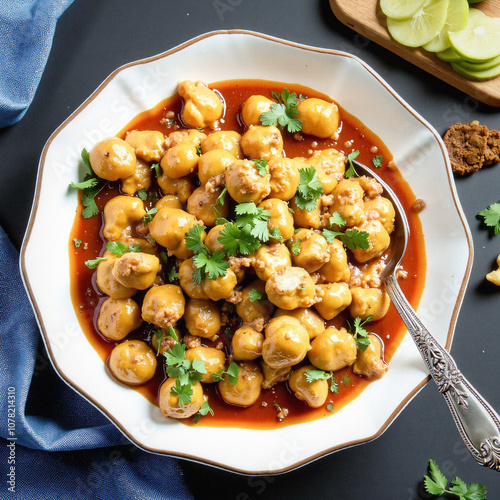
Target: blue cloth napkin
58 444
26 32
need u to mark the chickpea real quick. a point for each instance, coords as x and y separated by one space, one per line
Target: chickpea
201 204
140 179
182 187
319 117
247 391
202 318
222 287
348 202
136 270
285 178
382 209
190 288
311 250
117 318
262 142
369 302
147 144
291 287
249 310
202 106
378 239
212 240
253 108
192 136
337 267
273 376
213 162
120 214
169 201
169 401
214 360
132 362
163 305
247 343
280 217
112 159
310 319
370 362
106 281
169 228
245 184
286 342
335 298
229 140
180 160
310 219
313 393
269 259
333 349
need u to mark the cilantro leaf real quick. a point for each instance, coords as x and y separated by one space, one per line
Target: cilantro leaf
236 240
436 484
77 242
118 248
359 333
183 391
296 247
93 263
283 112
491 217
149 215
261 166
350 172
232 373
336 220
309 189
254 295
214 265
193 239
377 161
352 238
87 183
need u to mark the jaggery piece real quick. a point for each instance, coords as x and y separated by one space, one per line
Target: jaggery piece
467 145
492 153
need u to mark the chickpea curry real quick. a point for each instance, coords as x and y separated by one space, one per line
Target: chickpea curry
226 256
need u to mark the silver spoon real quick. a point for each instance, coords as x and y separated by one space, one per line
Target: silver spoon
477 423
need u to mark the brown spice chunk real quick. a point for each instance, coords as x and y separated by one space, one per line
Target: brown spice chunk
492 153
466 144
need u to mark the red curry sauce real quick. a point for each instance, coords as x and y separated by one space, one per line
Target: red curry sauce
87 297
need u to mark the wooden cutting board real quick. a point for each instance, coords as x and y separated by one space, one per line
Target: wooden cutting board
365 17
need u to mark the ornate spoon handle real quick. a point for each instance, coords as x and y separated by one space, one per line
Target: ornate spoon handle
477 423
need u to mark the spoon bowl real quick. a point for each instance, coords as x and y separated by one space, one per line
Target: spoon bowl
477 422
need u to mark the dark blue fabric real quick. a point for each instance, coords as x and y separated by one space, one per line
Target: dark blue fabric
26 32
59 445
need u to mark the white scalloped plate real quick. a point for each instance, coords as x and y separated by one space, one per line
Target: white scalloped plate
420 155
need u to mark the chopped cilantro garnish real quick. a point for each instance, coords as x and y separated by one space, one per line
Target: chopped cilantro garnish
359 333
149 215
118 248
261 166
350 172
231 372
352 238
213 265
283 112
491 217
93 263
316 374
377 161
309 190
77 242
254 295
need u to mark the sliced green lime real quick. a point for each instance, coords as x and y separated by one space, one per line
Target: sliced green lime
486 74
456 19
400 9
422 27
480 66
449 55
480 39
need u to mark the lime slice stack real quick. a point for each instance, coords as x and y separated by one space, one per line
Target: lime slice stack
459 34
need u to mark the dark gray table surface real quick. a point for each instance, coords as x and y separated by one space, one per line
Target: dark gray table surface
93 38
